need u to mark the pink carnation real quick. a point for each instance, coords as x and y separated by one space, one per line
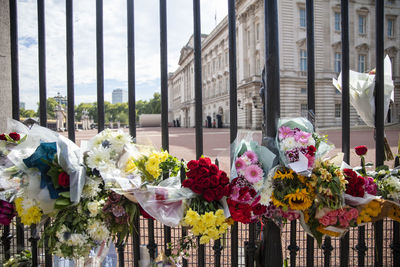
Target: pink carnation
370 186
343 222
325 221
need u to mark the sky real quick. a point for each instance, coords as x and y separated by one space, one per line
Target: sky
147 45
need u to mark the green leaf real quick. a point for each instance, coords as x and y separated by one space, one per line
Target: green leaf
63 202
65 194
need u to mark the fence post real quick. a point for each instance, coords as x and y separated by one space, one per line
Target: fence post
272 243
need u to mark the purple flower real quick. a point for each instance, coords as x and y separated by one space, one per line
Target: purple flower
118 211
302 137
7 212
370 186
285 132
253 174
292 155
252 156
240 164
114 197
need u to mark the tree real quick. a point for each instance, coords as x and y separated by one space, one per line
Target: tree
27 113
51 104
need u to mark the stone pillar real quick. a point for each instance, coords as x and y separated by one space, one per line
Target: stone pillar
240 49
5 65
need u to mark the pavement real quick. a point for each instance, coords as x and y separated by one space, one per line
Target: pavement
182 141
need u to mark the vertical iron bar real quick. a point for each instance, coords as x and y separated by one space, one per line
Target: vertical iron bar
70 69
310 61
379 116
131 68
344 241
152 246
121 254
6 242
164 98
132 114
361 247
310 95
100 65
272 243
217 243
293 247
233 111
184 231
15 114
14 60
48 258
327 247
199 102
251 245
395 246
42 63
197 78
34 240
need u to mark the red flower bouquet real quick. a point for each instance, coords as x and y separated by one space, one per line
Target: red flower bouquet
205 179
355 186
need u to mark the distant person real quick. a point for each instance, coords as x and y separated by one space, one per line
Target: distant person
214 123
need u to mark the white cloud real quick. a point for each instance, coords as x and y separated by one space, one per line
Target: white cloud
147 44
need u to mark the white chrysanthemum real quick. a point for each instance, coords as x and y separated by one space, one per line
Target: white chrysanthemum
27 203
381 172
266 193
93 208
77 240
259 185
289 143
393 183
91 188
98 231
98 157
118 140
311 141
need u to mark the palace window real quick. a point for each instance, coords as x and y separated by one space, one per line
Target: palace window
338 22
390 27
361 63
303 60
304 110
303 91
302 17
338 110
338 62
362 24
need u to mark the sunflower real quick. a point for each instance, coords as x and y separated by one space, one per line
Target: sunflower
284 174
276 202
300 200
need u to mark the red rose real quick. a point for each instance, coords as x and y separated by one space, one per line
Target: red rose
187 183
224 180
14 136
204 182
203 172
214 181
361 150
197 188
209 195
214 169
193 164
227 190
145 214
311 150
222 174
350 173
204 162
259 209
355 187
192 173
63 179
3 137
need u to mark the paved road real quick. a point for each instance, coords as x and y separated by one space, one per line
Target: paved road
216 141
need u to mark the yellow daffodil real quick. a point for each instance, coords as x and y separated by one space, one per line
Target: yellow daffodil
204 239
208 219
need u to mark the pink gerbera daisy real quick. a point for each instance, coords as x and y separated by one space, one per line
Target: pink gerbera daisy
253 174
252 156
285 132
240 164
302 137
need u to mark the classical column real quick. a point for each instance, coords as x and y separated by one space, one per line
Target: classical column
241 47
5 65
252 46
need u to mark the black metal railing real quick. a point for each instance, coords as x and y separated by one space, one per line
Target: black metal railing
241 240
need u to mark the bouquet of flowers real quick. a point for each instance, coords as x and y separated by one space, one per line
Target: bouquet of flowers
78 229
362 95
388 182
206 217
52 174
299 145
17 134
252 163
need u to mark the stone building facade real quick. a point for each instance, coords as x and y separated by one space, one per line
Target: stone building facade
293 62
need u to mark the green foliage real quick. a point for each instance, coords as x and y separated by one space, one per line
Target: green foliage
27 113
23 259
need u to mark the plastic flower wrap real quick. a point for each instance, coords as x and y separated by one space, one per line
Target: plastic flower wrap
362 94
252 163
299 146
78 229
388 182
52 170
17 133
